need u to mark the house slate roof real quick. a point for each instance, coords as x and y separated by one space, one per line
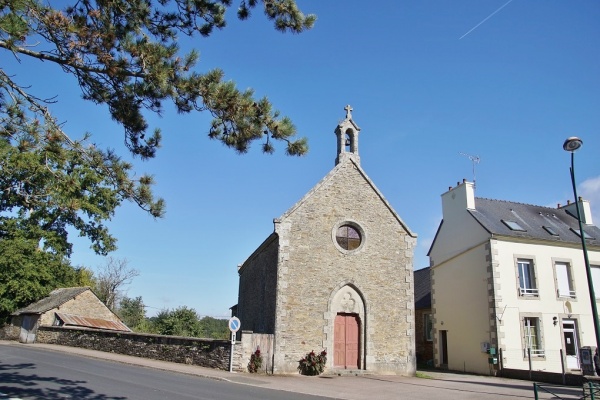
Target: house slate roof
532 218
422 282
55 299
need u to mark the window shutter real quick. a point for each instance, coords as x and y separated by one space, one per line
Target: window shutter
562 278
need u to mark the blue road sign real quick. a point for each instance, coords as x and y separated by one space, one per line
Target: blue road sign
234 324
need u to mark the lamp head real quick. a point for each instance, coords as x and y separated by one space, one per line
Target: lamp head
572 144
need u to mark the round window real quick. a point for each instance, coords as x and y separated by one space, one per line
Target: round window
348 237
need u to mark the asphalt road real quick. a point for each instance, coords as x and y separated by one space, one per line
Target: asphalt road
44 371
29 373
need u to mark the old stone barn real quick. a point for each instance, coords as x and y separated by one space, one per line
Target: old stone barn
336 274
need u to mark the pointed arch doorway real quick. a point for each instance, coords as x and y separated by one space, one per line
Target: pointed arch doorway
346 341
346 328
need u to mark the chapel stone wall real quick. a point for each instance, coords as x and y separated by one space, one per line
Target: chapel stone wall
258 280
312 269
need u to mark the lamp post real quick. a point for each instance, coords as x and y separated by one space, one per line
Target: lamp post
571 145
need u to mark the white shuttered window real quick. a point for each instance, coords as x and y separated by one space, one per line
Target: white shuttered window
563 280
596 279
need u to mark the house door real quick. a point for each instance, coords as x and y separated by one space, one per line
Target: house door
444 347
571 345
346 341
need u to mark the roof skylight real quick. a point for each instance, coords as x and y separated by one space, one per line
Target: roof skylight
550 230
513 225
578 233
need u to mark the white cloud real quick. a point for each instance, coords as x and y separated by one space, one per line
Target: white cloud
590 191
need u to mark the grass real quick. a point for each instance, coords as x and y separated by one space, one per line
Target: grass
423 375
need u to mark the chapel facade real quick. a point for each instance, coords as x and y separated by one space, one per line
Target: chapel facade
335 275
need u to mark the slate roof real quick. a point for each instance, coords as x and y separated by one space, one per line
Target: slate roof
56 298
422 282
533 219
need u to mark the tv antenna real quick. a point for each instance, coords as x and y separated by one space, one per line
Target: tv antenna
474 160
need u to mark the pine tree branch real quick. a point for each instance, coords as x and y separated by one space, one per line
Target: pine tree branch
39 109
59 60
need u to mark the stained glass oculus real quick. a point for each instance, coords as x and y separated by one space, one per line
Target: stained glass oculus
348 237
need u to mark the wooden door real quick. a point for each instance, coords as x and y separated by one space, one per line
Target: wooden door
339 357
28 328
346 341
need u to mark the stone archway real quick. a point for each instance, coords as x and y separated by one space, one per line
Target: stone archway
346 328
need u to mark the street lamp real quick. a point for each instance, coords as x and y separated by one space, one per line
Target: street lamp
571 145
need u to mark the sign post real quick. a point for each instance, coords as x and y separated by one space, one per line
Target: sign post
234 326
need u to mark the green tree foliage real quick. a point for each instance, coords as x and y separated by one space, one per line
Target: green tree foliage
182 321
28 274
133 313
215 328
84 277
125 56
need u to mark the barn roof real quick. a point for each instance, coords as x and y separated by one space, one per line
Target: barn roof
87 322
55 299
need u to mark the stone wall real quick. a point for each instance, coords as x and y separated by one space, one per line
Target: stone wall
210 353
258 280
10 332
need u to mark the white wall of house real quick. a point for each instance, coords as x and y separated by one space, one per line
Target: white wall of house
459 284
461 301
476 295
460 304
546 305
459 231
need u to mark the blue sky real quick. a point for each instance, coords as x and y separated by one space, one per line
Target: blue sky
430 82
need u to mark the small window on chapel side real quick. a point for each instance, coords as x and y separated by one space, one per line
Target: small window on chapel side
348 237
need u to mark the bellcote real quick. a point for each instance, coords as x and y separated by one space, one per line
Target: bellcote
347 138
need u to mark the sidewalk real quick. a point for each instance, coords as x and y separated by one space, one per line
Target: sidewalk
430 385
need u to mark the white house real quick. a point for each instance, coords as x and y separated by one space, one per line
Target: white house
511 277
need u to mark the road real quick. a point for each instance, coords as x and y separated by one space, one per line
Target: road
32 373
43 371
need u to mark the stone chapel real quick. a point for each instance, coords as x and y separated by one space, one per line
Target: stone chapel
336 275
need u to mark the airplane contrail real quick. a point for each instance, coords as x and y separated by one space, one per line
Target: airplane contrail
488 17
